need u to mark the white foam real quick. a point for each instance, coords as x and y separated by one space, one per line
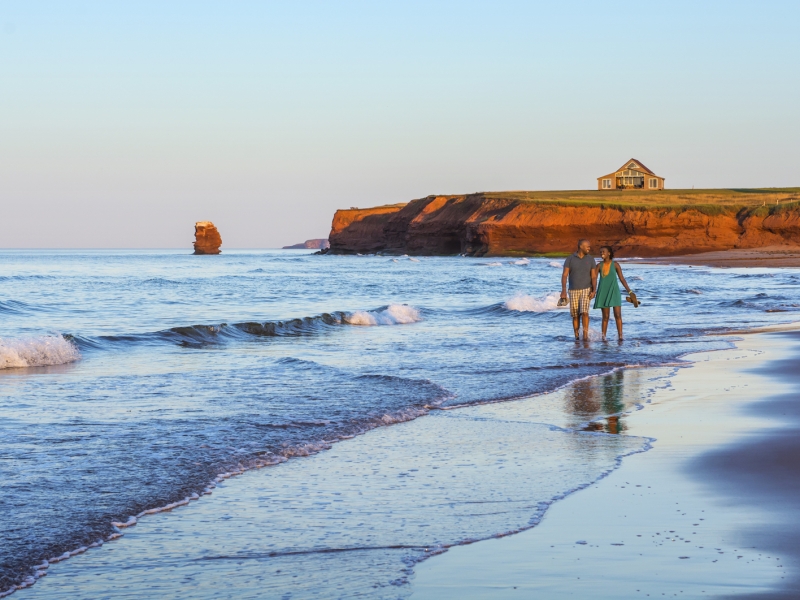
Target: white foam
412 259
521 261
493 264
524 303
37 351
554 264
395 314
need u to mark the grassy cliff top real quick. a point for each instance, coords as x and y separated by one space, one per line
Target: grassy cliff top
761 201
756 201
729 198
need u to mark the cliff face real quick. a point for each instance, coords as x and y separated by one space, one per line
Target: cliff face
206 238
479 224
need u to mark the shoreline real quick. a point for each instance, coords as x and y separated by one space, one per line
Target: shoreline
693 517
772 257
767 257
74 570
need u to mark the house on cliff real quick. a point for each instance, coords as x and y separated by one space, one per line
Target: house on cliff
633 175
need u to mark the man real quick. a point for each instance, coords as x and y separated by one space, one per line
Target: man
581 271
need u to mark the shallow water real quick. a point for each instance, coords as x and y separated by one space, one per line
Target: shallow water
176 368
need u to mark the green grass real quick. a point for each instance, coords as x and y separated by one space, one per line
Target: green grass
760 201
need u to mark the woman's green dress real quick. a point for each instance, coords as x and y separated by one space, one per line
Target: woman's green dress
608 291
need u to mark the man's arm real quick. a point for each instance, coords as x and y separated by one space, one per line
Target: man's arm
564 275
594 282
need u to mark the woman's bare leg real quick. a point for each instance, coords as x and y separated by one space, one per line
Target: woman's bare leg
618 320
606 315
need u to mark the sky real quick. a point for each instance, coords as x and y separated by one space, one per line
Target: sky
123 123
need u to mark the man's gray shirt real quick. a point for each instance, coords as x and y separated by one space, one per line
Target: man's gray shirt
580 271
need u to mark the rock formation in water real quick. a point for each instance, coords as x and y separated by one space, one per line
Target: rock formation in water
315 244
206 238
510 223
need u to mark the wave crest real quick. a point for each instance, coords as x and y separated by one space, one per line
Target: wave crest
37 351
394 314
524 303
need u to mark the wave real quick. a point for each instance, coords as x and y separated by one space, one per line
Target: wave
201 335
524 303
554 264
37 351
13 307
394 314
521 262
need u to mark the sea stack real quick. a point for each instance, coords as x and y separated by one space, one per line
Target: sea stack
206 238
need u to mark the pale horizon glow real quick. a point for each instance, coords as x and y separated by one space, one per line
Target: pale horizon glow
122 124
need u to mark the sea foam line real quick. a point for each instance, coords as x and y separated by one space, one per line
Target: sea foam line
308 449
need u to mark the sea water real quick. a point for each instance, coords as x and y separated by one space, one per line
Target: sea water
132 380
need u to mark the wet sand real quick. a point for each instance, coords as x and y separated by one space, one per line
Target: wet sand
682 519
711 511
767 257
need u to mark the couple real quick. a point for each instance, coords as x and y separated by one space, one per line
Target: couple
583 274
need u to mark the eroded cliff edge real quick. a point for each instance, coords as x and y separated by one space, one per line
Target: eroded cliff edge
511 223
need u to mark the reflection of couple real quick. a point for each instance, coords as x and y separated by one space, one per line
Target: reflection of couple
587 280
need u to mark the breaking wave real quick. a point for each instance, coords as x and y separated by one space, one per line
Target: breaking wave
524 303
394 314
37 352
201 335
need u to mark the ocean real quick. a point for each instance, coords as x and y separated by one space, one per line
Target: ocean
132 380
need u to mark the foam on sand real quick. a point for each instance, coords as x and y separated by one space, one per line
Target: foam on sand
37 352
394 314
524 303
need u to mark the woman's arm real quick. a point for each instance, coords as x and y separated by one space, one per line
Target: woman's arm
622 278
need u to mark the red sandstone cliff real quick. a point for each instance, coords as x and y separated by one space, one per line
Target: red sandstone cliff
490 224
206 238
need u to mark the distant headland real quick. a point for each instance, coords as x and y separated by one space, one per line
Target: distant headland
638 222
315 244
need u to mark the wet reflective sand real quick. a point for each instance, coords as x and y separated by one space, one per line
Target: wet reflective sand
657 526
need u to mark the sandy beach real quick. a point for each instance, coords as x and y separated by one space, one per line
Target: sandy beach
707 511
710 511
771 257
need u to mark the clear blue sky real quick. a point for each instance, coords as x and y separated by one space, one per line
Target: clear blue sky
123 123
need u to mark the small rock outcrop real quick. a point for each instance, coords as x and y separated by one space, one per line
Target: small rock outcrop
206 238
316 244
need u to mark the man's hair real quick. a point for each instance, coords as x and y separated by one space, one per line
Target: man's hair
580 241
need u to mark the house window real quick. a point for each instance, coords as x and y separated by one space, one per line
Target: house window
606 184
653 183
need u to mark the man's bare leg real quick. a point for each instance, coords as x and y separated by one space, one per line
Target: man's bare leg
585 319
576 326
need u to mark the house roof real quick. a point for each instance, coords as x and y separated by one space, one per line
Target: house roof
638 162
625 166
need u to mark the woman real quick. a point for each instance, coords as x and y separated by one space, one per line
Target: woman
608 295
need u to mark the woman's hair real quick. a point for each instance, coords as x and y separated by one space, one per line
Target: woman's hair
610 251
